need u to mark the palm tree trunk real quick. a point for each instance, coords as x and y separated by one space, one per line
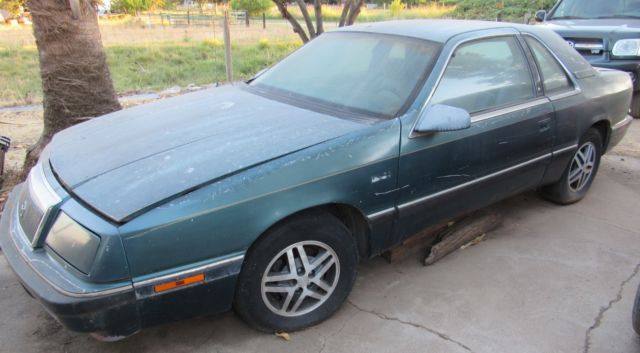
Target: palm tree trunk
76 83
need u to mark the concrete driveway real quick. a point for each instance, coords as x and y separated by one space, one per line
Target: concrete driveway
551 279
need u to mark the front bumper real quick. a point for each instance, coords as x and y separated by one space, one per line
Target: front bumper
114 310
110 312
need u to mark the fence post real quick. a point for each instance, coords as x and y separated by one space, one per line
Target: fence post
213 24
246 18
264 21
227 48
188 18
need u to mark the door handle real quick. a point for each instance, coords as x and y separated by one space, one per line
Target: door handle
544 125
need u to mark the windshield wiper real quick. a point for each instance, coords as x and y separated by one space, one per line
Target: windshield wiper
617 16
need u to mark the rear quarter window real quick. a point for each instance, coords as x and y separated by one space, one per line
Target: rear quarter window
554 77
578 65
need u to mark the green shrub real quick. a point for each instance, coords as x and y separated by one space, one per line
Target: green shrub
513 10
255 7
135 6
396 8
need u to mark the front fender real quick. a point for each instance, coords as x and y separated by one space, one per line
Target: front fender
357 169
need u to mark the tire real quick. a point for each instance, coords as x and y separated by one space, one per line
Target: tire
565 192
635 315
332 256
635 105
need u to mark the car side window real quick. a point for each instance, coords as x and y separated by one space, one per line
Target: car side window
486 74
554 77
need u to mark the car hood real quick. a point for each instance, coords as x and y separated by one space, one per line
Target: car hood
595 26
126 162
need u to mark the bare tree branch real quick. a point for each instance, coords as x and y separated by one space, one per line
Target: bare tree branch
307 18
317 6
345 12
282 7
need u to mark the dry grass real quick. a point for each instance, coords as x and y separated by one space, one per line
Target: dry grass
331 13
133 32
138 67
148 29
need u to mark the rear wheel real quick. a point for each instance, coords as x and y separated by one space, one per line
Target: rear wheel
635 105
298 274
635 315
579 174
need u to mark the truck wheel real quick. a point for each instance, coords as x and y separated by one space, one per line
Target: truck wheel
635 105
635 315
298 274
579 174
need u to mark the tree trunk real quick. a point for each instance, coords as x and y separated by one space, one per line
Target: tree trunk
317 7
356 6
307 18
345 12
76 83
282 7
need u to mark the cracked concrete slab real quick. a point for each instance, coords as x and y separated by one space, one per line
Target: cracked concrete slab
551 279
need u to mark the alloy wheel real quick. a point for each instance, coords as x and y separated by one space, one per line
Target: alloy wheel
582 166
300 278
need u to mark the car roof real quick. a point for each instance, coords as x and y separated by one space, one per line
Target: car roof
442 30
433 30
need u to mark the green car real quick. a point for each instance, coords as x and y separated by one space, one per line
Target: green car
263 196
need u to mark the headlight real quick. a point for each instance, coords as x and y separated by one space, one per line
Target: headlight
74 243
626 47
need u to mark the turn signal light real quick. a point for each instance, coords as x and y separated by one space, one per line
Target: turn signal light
162 287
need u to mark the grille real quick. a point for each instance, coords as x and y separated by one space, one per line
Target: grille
35 203
588 47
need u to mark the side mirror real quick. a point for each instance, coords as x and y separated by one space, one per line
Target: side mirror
541 15
440 118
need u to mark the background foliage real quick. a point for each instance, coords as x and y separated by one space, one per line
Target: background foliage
255 7
489 9
13 6
135 6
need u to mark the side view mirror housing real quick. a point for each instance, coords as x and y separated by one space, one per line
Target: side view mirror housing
541 15
441 118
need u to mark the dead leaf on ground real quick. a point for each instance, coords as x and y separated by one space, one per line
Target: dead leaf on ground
285 336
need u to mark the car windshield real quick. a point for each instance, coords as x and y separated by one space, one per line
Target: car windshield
583 9
364 73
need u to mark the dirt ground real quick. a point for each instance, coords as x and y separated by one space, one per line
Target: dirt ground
24 129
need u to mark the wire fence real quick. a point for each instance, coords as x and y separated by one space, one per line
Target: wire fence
198 19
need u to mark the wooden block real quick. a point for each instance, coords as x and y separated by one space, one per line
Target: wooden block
461 233
416 244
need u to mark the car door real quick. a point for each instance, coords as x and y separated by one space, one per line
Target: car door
564 94
505 151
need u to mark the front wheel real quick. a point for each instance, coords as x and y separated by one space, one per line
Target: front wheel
579 174
297 274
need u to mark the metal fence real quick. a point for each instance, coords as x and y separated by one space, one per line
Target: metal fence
196 19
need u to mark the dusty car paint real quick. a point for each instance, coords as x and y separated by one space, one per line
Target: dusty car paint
256 165
187 141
